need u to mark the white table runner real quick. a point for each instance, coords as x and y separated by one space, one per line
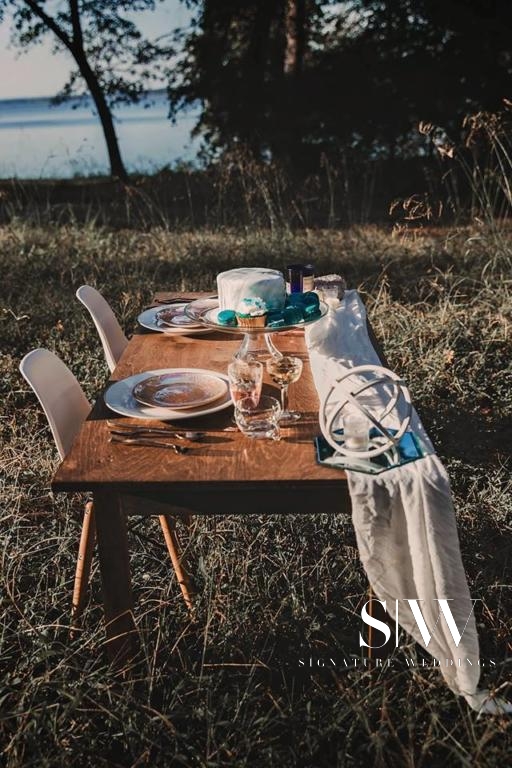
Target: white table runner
405 523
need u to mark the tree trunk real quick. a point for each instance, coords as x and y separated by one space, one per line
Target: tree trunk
117 168
75 46
295 31
257 70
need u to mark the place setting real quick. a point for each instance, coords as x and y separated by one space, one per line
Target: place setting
171 319
169 394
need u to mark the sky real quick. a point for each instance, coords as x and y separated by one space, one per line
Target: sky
40 72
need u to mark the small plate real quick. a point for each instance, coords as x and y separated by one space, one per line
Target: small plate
179 390
119 398
175 317
157 319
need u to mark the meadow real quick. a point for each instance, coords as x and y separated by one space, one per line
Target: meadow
226 688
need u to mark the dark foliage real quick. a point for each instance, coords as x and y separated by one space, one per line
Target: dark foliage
299 78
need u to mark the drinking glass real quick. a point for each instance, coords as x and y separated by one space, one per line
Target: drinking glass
259 420
245 380
284 371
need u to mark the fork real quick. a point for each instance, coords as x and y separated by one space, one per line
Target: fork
179 449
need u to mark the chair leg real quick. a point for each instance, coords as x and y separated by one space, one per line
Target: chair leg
173 548
187 518
83 565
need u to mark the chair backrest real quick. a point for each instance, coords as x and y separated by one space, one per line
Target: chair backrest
60 394
112 337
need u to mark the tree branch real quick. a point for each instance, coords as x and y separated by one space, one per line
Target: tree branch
50 23
76 25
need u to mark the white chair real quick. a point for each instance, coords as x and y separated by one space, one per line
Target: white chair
66 407
114 342
112 337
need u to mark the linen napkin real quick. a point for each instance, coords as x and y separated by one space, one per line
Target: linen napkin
405 522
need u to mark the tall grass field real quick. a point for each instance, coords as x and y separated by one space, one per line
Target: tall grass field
228 687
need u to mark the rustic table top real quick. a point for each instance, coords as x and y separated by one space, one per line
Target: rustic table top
224 461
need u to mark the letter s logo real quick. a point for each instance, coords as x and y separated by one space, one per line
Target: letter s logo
376 624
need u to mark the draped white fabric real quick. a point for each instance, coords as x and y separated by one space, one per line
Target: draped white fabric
405 523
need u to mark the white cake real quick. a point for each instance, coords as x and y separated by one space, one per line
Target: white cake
251 282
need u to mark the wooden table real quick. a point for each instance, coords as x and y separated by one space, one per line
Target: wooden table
224 475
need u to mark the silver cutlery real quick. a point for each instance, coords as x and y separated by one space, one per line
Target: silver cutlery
193 436
169 431
156 443
178 300
182 299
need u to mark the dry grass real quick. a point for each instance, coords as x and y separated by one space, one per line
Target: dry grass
271 591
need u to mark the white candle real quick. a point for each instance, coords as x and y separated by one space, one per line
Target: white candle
356 431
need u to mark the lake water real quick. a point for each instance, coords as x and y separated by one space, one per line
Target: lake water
38 140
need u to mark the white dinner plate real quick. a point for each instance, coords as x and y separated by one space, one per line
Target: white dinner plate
119 397
149 319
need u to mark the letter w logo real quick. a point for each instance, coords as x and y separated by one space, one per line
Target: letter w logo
450 621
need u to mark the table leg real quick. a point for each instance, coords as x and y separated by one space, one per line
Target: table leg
115 576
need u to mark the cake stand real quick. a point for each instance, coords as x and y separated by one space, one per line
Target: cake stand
257 343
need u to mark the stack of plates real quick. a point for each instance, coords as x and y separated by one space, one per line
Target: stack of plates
170 393
170 319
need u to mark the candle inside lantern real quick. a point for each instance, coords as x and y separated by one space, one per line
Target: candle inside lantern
356 431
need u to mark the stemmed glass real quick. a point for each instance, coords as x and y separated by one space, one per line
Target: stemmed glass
283 371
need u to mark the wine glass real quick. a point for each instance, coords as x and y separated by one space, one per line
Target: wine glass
284 371
245 380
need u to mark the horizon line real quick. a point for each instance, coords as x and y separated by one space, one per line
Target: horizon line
76 96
